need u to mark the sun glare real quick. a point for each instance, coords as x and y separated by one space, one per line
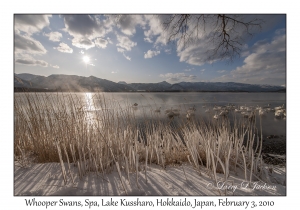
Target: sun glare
86 59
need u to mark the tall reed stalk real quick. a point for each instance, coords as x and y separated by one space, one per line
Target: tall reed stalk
103 133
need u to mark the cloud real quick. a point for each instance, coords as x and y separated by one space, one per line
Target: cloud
114 72
151 54
83 42
84 26
31 23
81 52
187 69
108 22
266 64
56 66
101 43
128 23
88 30
92 27
109 40
276 45
64 48
121 50
125 42
26 44
127 57
262 62
156 29
168 51
178 77
147 39
195 54
54 36
30 61
266 57
203 38
245 53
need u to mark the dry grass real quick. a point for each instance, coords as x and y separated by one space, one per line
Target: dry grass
100 135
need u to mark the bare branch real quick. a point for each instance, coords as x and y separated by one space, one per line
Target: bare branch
226 33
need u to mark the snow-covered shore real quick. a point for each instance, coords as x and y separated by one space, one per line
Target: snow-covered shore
46 179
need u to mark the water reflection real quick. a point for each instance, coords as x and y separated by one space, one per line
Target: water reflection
89 108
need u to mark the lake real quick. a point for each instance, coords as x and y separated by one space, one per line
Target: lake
148 102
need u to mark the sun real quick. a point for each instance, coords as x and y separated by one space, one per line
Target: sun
86 59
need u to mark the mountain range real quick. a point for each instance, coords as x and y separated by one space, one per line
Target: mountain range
74 83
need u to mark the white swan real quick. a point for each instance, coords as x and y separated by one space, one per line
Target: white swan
224 112
238 110
243 107
279 113
189 115
279 107
249 109
261 112
216 116
249 115
191 112
230 107
216 108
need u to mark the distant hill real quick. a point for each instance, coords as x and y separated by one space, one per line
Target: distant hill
21 83
161 86
77 83
122 82
227 86
205 86
60 82
27 77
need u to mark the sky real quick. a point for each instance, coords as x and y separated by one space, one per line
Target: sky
135 48
8 57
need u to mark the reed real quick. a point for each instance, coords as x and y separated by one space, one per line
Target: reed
103 134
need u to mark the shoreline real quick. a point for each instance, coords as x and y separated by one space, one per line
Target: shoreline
30 90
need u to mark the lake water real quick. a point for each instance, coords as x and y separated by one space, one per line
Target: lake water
148 102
